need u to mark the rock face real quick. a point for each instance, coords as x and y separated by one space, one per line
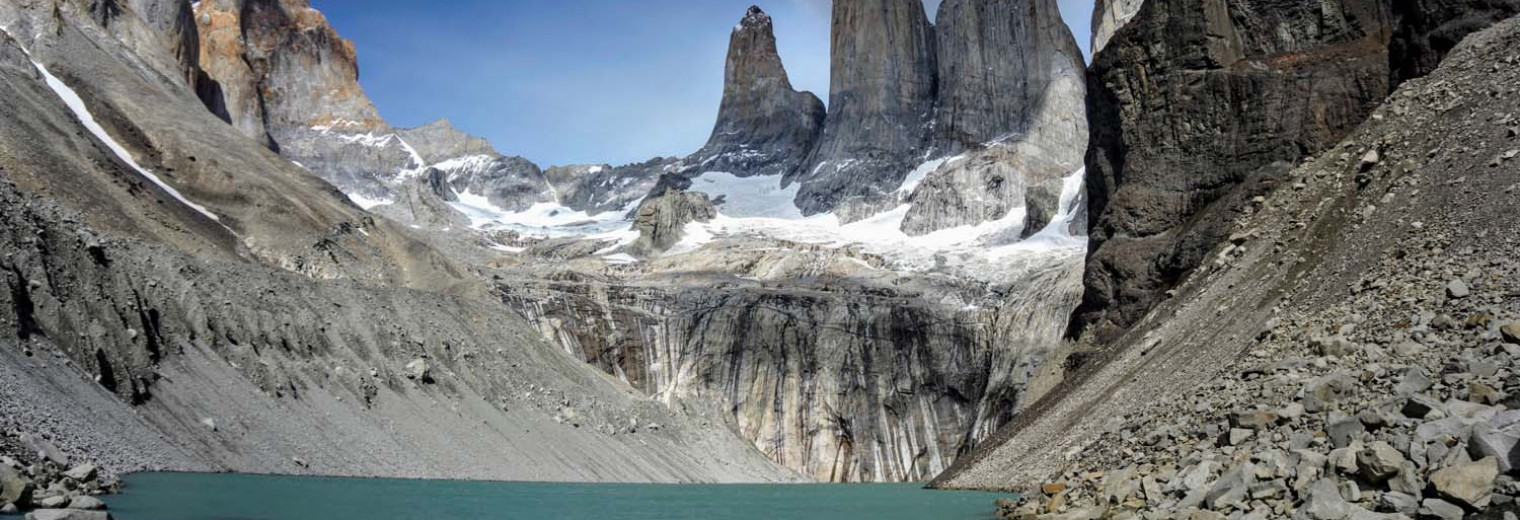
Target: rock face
423 201
661 221
881 102
997 61
1328 307
1280 83
509 183
987 185
602 188
839 380
764 126
174 22
1108 16
282 67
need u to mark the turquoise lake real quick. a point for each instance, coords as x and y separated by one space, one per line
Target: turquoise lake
178 496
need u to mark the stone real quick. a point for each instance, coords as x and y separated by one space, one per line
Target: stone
1379 461
15 488
1232 489
1292 411
53 502
1408 481
1321 392
1489 442
1239 436
1343 429
9 509
1441 509
419 370
1399 503
67 514
1254 420
1414 381
1054 488
1408 348
82 473
1420 407
1336 346
86 502
1510 332
1343 460
1324 502
1457 289
1469 484
1483 394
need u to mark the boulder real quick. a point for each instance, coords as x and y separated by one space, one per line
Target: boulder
1254 420
1469 484
82 473
1436 508
1399 503
1413 382
67 514
1321 392
1379 461
419 370
1324 502
1487 441
1511 332
15 488
86 502
1343 429
1457 289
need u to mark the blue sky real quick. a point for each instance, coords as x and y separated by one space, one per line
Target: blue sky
577 81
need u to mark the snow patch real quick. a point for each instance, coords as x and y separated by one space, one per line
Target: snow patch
76 104
759 196
366 202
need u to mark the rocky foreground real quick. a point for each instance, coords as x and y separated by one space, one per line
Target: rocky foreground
49 485
1386 381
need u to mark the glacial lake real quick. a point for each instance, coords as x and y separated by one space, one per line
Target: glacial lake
182 496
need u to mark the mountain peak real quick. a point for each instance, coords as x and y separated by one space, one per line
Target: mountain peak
754 17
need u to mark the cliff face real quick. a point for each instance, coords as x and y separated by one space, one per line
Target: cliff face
1394 247
997 59
764 126
1108 16
841 381
1196 107
881 101
1011 87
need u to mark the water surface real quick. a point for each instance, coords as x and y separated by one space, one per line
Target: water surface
179 496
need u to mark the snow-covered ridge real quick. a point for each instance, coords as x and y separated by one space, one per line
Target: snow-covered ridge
81 112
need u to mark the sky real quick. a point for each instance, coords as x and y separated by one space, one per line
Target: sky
578 81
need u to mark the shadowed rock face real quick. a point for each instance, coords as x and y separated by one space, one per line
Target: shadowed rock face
601 188
1198 105
996 61
881 101
423 201
764 126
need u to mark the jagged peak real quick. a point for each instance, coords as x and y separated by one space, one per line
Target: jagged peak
753 18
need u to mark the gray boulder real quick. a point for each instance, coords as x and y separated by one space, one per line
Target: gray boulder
15 488
1470 483
67 514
